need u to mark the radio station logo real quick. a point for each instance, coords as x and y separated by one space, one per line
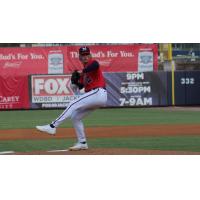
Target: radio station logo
50 88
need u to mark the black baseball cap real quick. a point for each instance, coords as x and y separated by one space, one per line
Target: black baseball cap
84 51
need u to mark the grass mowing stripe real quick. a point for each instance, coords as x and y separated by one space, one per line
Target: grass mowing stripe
176 143
102 117
35 145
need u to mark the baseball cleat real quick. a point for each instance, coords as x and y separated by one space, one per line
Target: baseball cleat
46 129
79 146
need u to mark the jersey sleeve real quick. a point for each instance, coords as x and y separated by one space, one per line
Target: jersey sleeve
91 67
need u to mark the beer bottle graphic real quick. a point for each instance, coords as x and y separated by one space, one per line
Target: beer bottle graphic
145 61
55 62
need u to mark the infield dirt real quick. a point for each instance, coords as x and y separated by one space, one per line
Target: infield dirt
105 132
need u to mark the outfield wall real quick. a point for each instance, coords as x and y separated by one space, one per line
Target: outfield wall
124 90
187 88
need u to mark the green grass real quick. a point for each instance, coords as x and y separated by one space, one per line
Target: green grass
103 117
35 145
177 143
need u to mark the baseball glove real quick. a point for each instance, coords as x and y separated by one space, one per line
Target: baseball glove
75 77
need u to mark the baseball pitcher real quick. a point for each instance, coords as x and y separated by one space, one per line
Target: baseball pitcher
95 96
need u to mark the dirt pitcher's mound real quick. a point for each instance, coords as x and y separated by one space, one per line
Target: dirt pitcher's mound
102 132
110 151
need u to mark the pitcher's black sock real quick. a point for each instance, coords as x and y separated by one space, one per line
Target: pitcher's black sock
52 126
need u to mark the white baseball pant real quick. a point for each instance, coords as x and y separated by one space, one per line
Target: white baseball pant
81 107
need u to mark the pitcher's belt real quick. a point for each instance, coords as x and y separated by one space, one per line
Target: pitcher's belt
97 88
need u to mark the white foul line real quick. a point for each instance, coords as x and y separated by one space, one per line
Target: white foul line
6 152
54 151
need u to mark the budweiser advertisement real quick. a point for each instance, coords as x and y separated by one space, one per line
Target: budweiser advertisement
25 61
59 60
119 58
51 91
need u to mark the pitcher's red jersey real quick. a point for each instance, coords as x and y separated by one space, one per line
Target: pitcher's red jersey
93 79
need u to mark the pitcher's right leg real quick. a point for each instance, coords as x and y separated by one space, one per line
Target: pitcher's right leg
87 100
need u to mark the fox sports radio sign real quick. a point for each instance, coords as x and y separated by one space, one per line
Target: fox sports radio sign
51 91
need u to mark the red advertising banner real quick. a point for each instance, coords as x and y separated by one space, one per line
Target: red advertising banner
23 61
14 92
59 60
119 58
